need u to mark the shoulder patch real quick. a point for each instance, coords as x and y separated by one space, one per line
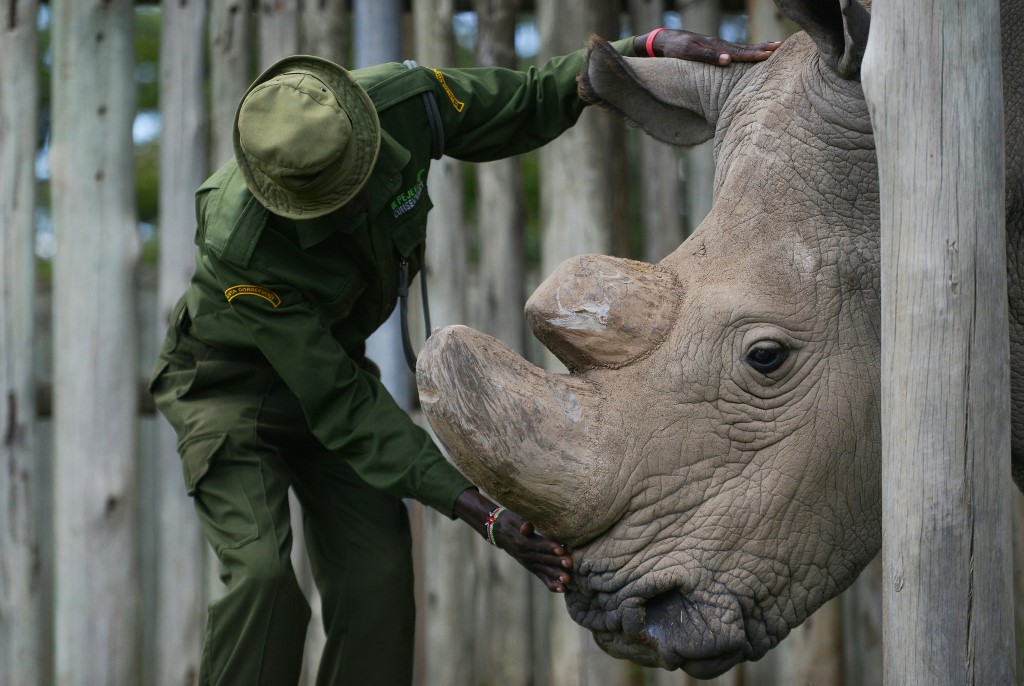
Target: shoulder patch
456 103
249 289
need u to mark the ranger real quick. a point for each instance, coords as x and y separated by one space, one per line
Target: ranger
300 241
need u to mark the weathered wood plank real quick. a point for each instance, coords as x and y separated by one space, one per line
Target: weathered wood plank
504 591
660 186
699 161
499 217
448 580
577 217
230 35
765 22
230 47
278 30
95 333
862 628
179 611
325 30
20 592
945 360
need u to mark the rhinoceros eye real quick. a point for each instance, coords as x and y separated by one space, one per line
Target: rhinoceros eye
767 356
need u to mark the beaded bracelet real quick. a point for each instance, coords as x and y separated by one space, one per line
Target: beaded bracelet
492 517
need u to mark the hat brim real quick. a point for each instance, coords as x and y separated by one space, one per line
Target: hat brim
334 189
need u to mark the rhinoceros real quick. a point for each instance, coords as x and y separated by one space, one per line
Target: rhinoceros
713 456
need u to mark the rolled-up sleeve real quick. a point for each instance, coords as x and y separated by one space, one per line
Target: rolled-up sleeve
490 113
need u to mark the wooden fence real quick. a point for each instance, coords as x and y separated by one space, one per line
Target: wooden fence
104 576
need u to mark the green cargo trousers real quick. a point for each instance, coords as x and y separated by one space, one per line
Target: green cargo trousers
243 442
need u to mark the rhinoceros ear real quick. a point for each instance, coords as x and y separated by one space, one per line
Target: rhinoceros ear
838 27
661 96
599 311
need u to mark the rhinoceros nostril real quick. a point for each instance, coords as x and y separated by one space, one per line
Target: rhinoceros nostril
665 615
693 634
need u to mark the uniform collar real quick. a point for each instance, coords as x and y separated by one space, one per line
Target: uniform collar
383 184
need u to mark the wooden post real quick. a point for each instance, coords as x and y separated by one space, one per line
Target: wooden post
1018 582
499 196
325 30
658 164
230 37
434 46
576 198
936 102
230 46
377 38
577 217
20 607
765 22
278 30
447 580
862 628
95 332
178 544
699 161
505 586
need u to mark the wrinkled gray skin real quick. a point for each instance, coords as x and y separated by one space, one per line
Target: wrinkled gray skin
713 500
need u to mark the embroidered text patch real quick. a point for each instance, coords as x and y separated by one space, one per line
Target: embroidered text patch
248 289
456 103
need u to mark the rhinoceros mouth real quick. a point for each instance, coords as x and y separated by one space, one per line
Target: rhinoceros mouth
703 633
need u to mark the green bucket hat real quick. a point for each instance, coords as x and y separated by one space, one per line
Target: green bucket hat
306 137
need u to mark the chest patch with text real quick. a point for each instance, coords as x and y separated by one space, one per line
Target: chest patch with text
405 201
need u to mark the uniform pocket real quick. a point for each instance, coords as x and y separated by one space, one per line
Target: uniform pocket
169 382
174 377
222 489
159 368
196 455
409 230
167 349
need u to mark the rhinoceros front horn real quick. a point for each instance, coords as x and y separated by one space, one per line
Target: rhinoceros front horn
525 436
541 443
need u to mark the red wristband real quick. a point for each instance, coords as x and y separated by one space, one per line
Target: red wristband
650 41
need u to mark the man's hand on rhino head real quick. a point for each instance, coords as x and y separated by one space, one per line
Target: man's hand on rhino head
687 45
548 561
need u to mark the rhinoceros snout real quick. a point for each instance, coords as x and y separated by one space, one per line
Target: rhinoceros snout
703 632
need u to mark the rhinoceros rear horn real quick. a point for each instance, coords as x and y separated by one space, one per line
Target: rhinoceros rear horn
599 311
838 27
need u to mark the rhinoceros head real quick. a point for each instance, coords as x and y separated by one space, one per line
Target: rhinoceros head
713 454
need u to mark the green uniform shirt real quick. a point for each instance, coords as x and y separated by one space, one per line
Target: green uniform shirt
308 293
